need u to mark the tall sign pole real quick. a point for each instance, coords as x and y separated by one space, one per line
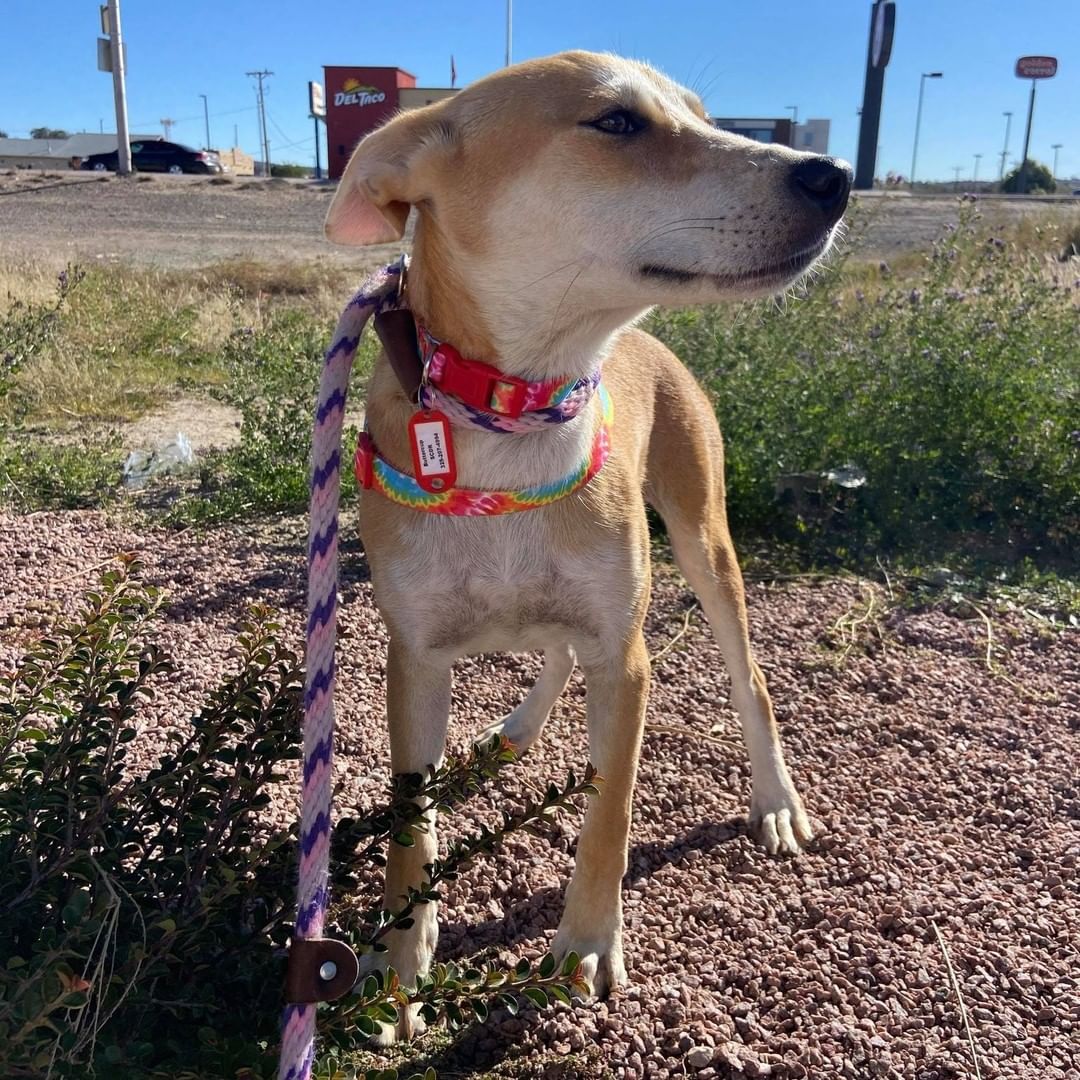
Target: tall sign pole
1033 68
882 25
111 13
317 112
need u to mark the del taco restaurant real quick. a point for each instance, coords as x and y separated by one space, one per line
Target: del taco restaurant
359 99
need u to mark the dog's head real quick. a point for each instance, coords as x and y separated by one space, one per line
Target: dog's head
595 166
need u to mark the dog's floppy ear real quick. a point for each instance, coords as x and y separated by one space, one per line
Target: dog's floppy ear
384 178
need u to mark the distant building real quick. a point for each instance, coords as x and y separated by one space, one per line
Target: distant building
811 136
359 99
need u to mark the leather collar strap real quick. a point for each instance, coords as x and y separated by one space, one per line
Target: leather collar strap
375 473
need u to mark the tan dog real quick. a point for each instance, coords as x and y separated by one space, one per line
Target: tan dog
558 200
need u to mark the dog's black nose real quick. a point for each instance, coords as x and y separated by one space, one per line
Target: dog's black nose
825 182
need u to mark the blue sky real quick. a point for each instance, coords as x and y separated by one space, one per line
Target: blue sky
750 59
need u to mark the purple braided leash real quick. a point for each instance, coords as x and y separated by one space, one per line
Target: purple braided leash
378 292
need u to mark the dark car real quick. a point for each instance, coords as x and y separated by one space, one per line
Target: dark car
157 155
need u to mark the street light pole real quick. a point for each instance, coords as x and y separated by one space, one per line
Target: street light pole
1005 148
509 30
119 70
206 117
1056 147
918 121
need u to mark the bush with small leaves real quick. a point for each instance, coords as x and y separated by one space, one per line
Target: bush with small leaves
146 912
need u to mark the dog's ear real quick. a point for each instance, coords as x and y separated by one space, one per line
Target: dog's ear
384 177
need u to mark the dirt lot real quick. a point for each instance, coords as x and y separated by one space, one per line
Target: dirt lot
945 795
191 221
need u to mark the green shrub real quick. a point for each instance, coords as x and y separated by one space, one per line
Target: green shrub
1039 178
291 171
956 396
145 911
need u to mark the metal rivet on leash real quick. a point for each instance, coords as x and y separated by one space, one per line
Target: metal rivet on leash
328 971
437 483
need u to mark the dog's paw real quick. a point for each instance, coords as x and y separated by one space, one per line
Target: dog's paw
779 823
521 727
409 952
410 1025
601 965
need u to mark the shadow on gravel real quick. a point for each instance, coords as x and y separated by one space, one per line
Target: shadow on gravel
522 921
486 1046
708 838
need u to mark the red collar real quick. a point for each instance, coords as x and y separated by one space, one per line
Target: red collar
485 387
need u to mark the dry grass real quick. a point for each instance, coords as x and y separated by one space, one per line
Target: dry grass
130 339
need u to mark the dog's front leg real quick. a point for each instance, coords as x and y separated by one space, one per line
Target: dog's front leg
591 925
418 706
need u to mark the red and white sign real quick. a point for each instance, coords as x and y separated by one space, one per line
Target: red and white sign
1036 67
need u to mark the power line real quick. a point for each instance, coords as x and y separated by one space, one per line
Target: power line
281 132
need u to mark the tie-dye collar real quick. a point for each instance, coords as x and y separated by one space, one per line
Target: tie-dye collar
375 473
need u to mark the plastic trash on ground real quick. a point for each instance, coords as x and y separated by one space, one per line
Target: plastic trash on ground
170 458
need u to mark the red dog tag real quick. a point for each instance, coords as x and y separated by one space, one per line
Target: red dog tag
432 450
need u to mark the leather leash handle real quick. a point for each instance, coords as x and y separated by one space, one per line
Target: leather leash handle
319 969
397 332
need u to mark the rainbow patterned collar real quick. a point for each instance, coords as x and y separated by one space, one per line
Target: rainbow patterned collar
375 473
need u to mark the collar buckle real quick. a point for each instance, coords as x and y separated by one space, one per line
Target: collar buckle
479 384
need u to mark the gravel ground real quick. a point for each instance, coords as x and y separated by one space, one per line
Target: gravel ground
181 221
945 795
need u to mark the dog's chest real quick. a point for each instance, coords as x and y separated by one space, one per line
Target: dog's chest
489 585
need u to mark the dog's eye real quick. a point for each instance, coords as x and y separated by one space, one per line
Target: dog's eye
618 122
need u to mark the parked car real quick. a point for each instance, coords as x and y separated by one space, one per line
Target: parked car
156 155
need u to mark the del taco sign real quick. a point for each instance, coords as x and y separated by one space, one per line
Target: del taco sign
353 92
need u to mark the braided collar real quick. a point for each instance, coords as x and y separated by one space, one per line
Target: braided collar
475 393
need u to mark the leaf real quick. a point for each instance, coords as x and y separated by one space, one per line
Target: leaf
536 996
33 734
547 967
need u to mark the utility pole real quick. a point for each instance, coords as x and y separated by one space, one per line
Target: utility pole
1056 147
119 74
167 126
265 135
1005 148
206 117
975 178
958 169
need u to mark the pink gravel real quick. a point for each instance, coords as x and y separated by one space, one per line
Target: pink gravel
945 793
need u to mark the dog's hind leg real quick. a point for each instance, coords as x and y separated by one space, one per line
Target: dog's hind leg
522 726
418 707
685 483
